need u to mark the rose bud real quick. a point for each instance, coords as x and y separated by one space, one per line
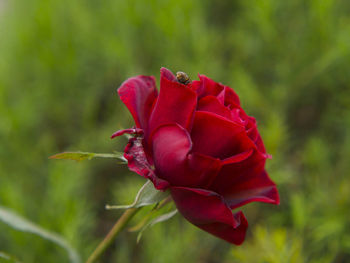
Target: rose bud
194 139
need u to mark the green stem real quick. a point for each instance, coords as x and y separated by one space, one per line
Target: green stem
107 241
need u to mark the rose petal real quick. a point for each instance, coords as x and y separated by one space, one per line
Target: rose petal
212 104
230 171
171 144
260 145
173 161
251 128
208 211
166 73
253 188
238 157
206 86
137 131
246 181
252 132
138 163
202 170
176 103
228 97
218 137
139 94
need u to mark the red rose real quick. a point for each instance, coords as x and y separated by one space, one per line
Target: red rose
195 140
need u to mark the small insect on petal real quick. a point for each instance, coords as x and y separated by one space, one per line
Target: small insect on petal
182 77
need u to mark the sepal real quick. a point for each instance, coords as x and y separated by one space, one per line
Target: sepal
81 156
147 195
158 219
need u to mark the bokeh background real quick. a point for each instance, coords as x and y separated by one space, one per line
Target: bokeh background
61 62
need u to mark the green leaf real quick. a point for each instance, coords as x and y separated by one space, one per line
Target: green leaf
80 156
21 224
147 195
156 220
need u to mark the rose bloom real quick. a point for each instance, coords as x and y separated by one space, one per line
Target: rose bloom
194 139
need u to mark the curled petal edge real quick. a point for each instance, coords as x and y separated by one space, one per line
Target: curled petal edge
175 161
136 131
139 95
138 163
208 211
258 188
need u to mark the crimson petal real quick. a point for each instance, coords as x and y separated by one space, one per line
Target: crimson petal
260 145
206 86
174 162
208 211
251 128
212 104
255 188
218 137
228 97
176 103
238 157
139 94
245 181
166 73
136 131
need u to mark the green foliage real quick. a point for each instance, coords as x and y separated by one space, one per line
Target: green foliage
61 62
21 224
270 247
4 257
81 156
147 195
156 220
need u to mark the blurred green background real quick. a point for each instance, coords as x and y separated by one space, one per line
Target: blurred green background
61 62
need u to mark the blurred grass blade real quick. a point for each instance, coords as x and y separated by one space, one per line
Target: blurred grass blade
80 156
8 258
156 220
147 195
21 224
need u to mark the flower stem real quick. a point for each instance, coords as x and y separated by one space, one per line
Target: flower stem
107 241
